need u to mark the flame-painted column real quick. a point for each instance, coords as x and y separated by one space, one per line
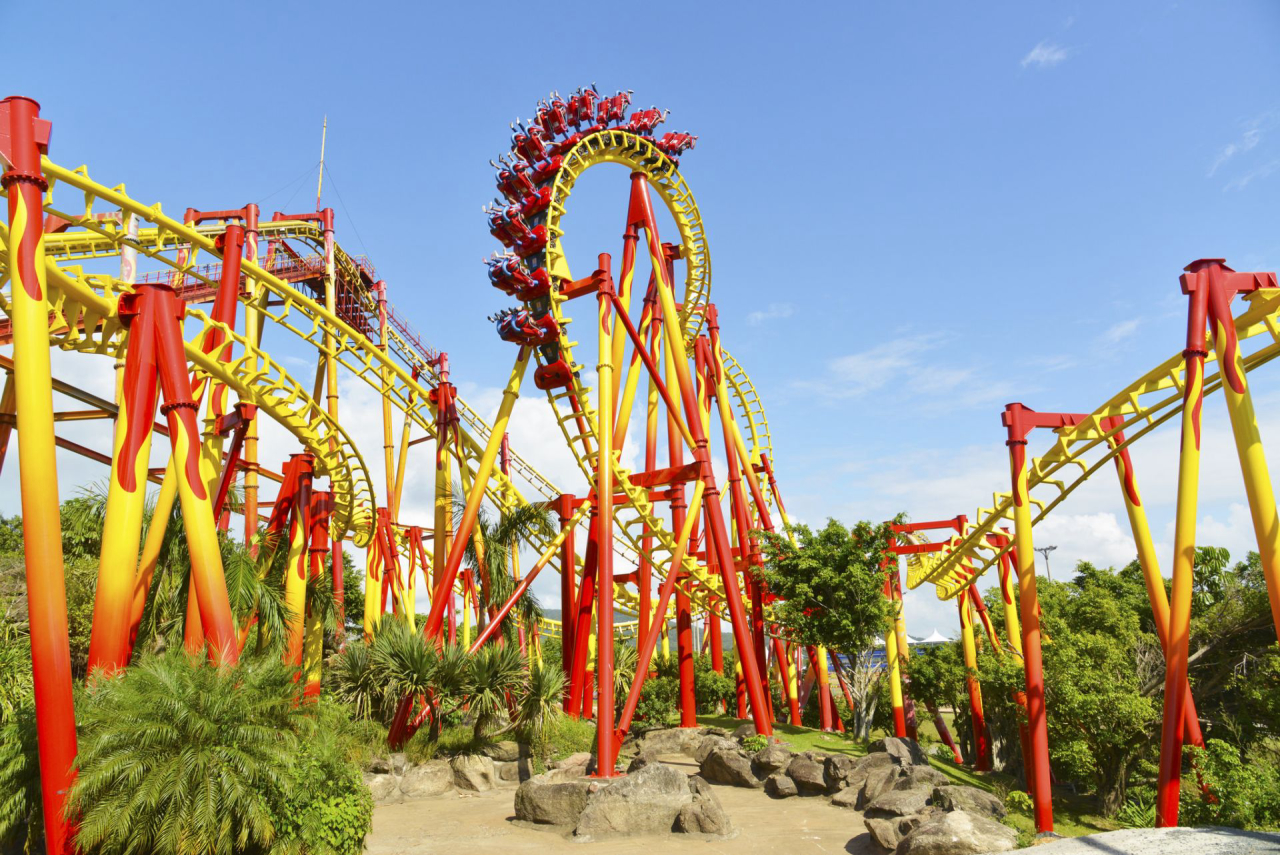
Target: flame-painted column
1029 607
568 578
313 641
895 663
981 744
297 569
27 136
605 735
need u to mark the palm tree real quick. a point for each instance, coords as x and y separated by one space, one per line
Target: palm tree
490 552
179 757
352 678
496 673
538 704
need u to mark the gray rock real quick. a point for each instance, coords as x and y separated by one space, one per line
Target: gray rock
671 740
878 780
1166 841
889 832
384 787
728 766
743 731
473 772
647 802
838 770
379 766
399 763
705 814
779 786
552 798
971 799
957 833
907 752
714 731
580 760
430 779
849 773
711 743
506 751
899 803
846 798
772 758
920 776
808 774
641 760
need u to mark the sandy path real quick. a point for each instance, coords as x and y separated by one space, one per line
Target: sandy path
483 824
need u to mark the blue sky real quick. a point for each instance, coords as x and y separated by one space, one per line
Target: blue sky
916 213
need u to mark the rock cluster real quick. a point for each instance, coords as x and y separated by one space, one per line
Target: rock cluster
655 798
393 779
908 806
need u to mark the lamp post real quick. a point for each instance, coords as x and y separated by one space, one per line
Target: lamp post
1045 550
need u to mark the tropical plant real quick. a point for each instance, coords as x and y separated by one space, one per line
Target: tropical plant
490 551
178 757
496 673
539 702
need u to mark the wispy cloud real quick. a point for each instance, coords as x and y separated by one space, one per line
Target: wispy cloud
1045 55
774 312
1248 178
1117 333
903 367
1248 141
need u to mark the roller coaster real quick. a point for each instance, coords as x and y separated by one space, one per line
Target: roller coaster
71 255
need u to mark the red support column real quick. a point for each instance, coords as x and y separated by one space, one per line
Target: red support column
25 136
568 604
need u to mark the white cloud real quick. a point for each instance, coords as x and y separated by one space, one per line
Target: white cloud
775 311
1248 178
1249 140
1045 55
1119 332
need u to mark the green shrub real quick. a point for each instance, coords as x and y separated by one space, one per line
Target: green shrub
1018 802
755 743
657 706
566 735
1138 810
1245 794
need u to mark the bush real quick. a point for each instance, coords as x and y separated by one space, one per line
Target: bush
1246 795
755 743
1018 801
657 706
566 735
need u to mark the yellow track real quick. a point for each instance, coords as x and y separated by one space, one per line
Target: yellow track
1079 452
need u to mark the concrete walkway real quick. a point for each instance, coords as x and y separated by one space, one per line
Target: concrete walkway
1167 841
484 824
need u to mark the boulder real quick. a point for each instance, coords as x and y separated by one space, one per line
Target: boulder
969 799
808 774
906 752
742 731
849 773
505 751
641 760
671 740
889 832
920 776
711 743
379 766
705 814
899 803
581 761
772 758
728 766
957 833
647 802
553 798
714 731
384 787
473 772
878 781
430 779
779 786
399 763
846 798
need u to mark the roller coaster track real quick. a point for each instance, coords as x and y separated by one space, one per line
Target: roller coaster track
1078 452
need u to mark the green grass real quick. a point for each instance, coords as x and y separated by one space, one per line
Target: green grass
1073 815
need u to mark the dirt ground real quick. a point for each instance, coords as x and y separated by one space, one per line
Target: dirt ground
484 824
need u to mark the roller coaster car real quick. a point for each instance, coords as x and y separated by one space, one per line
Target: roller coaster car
673 145
613 108
530 145
553 375
508 225
536 202
545 170
510 276
582 106
553 117
644 121
514 182
519 326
